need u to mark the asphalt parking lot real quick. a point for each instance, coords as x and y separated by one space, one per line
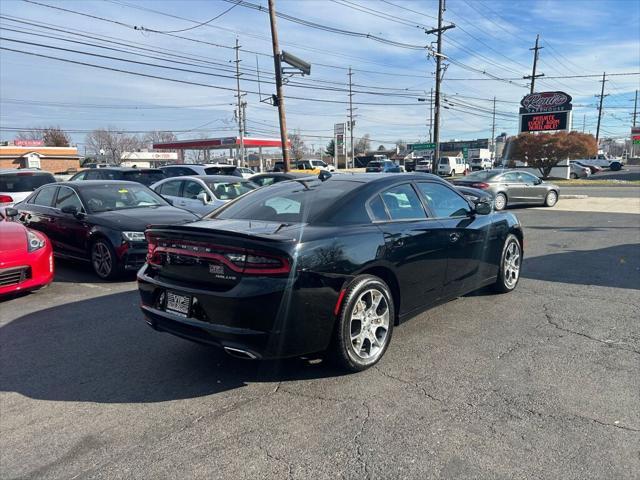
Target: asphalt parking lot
539 383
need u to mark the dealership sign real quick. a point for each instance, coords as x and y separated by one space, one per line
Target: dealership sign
545 112
28 143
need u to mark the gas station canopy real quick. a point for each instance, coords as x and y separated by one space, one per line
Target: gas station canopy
218 143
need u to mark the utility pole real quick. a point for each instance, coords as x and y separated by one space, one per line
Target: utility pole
584 121
493 131
279 92
635 109
241 122
601 96
431 115
439 31
533 75
351 121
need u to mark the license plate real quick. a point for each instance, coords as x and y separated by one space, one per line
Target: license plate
178 303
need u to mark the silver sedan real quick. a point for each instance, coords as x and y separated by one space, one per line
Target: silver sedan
512 187
202 194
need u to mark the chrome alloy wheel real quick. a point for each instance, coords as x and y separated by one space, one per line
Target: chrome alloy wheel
101 259
511 266
369 325
500 202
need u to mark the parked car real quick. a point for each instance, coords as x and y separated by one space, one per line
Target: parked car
17 184
481 163
101 222
185 169
592 168
314 164
145 176
26 257
452 166
246 172
269 178
511 187
382 166
202 194
578 171
423 166
410 165
332 265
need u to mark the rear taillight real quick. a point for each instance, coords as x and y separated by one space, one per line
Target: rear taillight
256 263
6 199
151 247
480 185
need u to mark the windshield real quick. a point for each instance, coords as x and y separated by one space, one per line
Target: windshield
481 175
287 202
145 177
220 170
230 190
119 196
24 181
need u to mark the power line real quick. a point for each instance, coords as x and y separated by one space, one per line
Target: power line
195 26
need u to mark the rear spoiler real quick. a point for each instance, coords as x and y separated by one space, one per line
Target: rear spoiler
209 231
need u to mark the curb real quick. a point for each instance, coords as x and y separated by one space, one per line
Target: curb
573 197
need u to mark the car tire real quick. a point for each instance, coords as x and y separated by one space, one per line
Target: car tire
573 176
510 265
500 202
551 199
104 260
363 333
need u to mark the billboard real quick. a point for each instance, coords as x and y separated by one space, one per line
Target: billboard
28 143
544 122
546 102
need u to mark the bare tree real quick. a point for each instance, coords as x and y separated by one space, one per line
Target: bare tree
158 137
297 145
109 144
52 136
363 144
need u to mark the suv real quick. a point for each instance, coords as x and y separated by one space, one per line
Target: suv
481 164
452 166
16 184
383 166
186 169
145 176
423 166
314 165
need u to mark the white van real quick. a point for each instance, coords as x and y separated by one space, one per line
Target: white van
452 166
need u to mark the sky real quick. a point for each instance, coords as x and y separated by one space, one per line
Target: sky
579 38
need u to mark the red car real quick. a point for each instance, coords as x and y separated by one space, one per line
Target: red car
26 256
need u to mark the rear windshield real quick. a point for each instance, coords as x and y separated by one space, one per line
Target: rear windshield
444 161
287 202
144 177
230 190
220 170
24 181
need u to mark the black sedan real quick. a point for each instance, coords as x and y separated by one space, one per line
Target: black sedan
309 265
99 221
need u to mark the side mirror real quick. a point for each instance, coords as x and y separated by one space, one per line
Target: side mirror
203 197
484 207
11 212
70 210
538 181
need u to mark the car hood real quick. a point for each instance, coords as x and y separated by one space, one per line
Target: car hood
137 219
13 237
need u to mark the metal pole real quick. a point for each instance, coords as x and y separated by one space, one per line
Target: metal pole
436 126
635 109
493 131
279 92
431 115
602 95
353 162
240 160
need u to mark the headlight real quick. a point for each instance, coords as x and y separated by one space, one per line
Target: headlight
35 241
133 236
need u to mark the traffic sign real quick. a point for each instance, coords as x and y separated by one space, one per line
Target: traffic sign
423 146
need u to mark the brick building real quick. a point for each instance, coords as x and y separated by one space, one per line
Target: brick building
51 159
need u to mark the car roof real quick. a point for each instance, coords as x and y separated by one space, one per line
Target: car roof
382 178
88 183
281 174
124 169
9 171
208 178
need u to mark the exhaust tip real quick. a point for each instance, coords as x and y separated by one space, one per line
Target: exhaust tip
239 353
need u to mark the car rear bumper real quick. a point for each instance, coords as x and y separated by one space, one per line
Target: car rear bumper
24 274
266 317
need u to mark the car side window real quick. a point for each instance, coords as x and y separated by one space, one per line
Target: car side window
67 197
527 177
443 201
403 203
80 176
510 177
171 188
92 175
192 189
263 182
376 206
45 196
108 175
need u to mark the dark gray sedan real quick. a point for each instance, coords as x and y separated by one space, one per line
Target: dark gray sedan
512 187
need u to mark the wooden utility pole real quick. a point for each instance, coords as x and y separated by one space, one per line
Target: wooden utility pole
493 131
241 122
351 121
439 31
279 92
533 75
635 109
431 115
602 95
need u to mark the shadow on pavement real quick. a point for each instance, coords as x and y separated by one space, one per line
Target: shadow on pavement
100 350
617 267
